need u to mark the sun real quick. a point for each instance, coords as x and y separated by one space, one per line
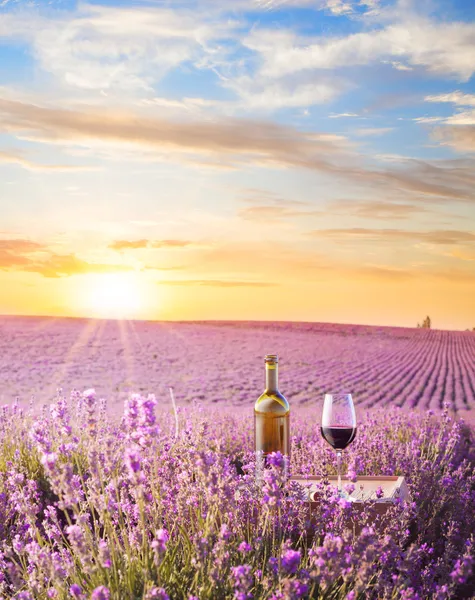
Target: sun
113 296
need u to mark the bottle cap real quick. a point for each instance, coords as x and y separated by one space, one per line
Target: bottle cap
271 358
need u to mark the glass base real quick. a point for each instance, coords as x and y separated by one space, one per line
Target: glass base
346 496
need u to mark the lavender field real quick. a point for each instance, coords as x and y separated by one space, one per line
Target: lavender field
159 508
223 362
109 493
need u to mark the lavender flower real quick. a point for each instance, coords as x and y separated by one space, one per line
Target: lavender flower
90 404
40 436
242 582
274 478
156 594
290 561
244 547
140 419
133 465
76 591
100 593
104 554
77 539
463 569
159 544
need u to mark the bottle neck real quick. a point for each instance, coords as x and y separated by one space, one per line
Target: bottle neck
272 377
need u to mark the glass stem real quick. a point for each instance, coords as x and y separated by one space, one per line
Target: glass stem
338 469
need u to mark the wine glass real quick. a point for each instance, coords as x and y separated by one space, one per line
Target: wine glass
338 425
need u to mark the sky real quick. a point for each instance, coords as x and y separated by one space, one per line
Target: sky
305 160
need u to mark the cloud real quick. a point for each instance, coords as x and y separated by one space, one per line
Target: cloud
20 246
459 137
172 243
126 245
335 7
252 264
57 265
465 116
463 253
125 51
271 214
34 257
339 7
456 97
398 65
374 209
257 196
112 48
270 94
452 275
446 48
372 131
217 283
9 260
341 115
429 119
16 253
189 104
137 244
254 261
268 208
444 237
17 158
231 138
235 142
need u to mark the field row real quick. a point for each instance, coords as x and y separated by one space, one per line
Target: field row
223 362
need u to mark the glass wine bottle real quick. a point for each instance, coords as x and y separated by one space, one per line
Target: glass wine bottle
271 417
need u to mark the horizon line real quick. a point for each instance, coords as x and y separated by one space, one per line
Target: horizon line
224 321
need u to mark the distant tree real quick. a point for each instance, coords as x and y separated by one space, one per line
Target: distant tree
426 323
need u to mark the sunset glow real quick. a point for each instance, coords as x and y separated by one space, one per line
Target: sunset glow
112 296
287 160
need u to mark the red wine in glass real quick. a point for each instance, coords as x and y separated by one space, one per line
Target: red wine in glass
339 437
338 425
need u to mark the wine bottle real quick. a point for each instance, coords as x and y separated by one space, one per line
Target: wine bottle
271 417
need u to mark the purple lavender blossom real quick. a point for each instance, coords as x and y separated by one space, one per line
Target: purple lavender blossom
244 547
349 488
463 569
76 591
40 436
77 539
159 544
140 419
133 464
290 561
90 404
156 594
60 414
104 554
243 579
100 593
